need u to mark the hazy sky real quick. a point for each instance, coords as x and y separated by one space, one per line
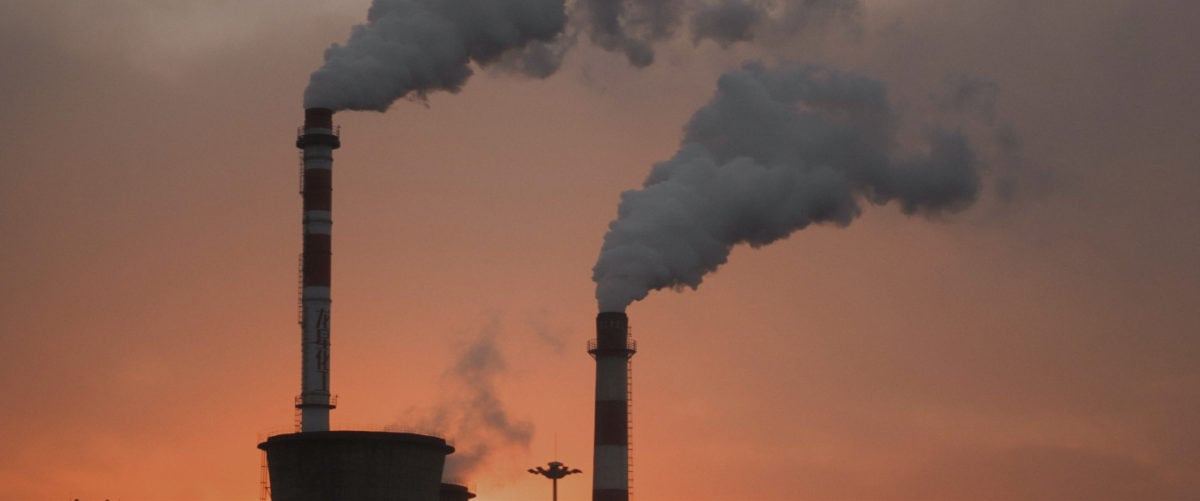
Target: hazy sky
1039 345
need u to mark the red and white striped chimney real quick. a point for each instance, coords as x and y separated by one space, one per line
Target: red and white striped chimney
612 350
317 139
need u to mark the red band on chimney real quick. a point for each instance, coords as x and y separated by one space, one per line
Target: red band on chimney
318 189
317 257
318 118
612 422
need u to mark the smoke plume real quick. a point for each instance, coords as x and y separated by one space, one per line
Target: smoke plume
470 410
418 46
972 101
633 27
409 48
773 152
727 22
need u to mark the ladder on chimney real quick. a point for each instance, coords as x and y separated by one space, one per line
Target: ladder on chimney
301 173
300 291
299 419
629 424
264 494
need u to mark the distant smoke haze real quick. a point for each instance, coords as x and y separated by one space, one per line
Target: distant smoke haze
633 27
413 47
969 94
774 151
470 412
630 26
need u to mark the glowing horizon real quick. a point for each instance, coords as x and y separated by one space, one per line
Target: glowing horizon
150 188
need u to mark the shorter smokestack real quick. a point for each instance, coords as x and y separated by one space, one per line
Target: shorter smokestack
612 350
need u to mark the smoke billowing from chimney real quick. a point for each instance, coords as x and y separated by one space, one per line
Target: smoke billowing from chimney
774 151
418 46
409 48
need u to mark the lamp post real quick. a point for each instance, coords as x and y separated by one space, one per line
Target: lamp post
555 471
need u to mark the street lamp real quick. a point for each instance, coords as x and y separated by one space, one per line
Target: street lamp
555 471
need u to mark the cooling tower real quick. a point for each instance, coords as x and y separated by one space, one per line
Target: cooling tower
355 465
455 492
612 349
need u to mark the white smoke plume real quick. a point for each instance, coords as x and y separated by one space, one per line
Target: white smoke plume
773 152
409 48
413 47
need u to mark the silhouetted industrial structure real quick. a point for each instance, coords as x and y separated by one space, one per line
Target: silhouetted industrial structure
554 471
455 492
612 349
316 464
358 465
316 140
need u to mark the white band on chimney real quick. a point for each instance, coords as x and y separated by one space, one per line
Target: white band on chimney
318 156
611 478
314 292
318 227
611 381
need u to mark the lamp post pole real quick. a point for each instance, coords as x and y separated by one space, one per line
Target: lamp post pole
555 471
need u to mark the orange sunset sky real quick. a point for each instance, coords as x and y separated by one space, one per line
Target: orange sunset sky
1040 345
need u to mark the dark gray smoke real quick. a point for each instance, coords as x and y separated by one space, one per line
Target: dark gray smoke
972 100
773 152
633 27
538 59
409 48
418 46
471 411
797 16
728 22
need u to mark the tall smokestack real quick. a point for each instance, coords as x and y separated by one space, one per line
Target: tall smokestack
612 350
317 140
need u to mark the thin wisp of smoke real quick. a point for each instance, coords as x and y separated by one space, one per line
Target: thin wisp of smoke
471 412
775 151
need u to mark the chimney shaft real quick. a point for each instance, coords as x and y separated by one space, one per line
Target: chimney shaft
317 140
612 350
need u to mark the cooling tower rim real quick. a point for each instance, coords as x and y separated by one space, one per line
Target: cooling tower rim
356 436
457 489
